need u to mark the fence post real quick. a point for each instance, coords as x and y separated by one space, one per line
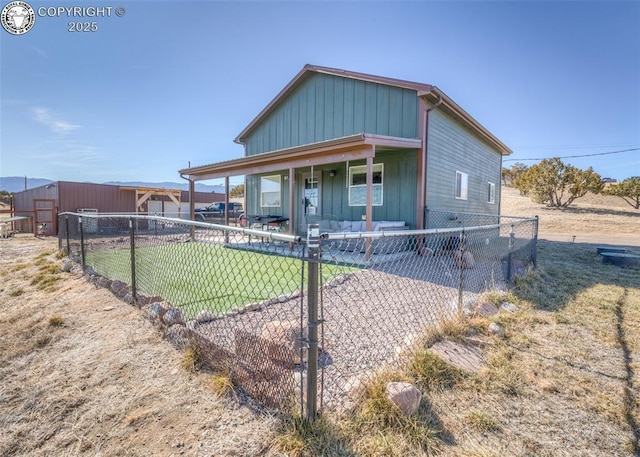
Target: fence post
66 223
313 245
132 237
461 248
82 254
511 242
534 245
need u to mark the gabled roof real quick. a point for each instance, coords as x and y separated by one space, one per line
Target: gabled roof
429 92
304 73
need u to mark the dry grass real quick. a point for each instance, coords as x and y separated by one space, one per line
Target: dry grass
84 374
561 383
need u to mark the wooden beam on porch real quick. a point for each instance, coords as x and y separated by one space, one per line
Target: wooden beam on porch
292 199
369 210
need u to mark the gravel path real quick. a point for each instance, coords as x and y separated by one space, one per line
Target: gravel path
369 317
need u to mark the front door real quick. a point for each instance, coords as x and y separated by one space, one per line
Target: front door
310 204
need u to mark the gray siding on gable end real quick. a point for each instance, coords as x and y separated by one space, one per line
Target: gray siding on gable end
452 148
325 107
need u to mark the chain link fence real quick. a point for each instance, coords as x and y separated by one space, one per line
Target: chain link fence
396 285
296 321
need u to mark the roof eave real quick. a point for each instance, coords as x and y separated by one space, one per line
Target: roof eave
435 94
320 153
308 68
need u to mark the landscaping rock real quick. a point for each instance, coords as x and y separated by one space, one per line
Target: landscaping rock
103 282
466 357
287 334
192 325
67 266
405 396
464 259
518 268
486 309
508 307
174 316
157 311
496 329
178 335
205 316
119 288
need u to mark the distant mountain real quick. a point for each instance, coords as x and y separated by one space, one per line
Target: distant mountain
16 184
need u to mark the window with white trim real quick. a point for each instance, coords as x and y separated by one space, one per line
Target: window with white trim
491 192
462 185
270 190
358 185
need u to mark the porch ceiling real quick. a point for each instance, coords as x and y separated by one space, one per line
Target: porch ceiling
344 149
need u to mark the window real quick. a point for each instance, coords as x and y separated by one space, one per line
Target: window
491 192
270 191
358 185
462 185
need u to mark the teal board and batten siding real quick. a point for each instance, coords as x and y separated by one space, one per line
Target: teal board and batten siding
451 148
398 190
323 107
399 184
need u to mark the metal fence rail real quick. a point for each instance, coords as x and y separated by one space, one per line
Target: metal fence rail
297 320
398 284
235 295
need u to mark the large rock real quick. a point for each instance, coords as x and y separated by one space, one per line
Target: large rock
464 259
178 335
119 288
508 307
496 329
67 266
174 316
287 335
486 309
157 310
405 396
205 316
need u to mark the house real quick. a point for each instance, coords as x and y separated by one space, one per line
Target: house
42 204
341 146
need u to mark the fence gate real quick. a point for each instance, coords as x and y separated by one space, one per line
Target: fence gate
44 211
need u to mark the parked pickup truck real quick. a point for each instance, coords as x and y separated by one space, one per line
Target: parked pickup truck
215 213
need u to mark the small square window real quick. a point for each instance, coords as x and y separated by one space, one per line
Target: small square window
462 185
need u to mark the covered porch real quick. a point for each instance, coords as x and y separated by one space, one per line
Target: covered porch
296 179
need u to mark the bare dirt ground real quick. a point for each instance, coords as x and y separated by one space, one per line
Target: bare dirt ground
83 373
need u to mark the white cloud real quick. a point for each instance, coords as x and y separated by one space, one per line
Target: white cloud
55 124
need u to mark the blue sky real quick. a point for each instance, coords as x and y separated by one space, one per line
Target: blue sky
172 83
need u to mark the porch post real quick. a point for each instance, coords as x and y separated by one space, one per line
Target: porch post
369 211
226 208
422 164
292 204
192 206
226 200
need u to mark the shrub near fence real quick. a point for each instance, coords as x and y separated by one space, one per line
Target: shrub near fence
291 319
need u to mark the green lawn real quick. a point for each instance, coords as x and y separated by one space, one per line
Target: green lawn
197 276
